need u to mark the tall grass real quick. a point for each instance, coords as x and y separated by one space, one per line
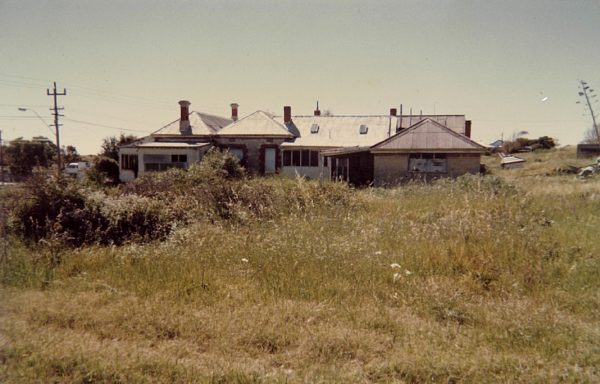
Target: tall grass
471 280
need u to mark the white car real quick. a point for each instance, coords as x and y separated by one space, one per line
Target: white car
77 169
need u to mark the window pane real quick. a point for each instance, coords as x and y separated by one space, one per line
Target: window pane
305 157
287 158
156 158
296 158
314 158
237 152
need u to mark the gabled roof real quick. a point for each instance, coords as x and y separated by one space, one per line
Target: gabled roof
201 124
431 136
258 123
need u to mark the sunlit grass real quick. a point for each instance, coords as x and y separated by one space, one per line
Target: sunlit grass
476 280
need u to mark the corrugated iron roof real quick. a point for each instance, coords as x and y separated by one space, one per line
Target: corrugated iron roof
339 131
344 131
510 159
201 124
428 135
258 123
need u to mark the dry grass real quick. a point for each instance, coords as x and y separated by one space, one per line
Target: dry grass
467 281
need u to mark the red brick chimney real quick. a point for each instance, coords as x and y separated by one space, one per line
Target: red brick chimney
317 111
184 121
468 128
393 111
234 111
287 114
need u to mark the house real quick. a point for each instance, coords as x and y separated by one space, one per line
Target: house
426 150
380 149
177 144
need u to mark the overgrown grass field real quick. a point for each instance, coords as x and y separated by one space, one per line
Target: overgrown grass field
480 279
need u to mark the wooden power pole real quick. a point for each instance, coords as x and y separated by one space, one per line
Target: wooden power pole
55 94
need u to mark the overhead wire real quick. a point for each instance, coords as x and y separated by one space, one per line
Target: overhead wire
103 125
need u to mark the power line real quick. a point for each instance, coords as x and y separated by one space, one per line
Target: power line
104 126
83 91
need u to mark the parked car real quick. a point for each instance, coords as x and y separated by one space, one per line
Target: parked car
77 169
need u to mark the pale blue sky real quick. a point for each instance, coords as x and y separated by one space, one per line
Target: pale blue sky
126 63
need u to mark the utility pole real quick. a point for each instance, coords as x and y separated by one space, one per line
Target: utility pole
56 124
586 92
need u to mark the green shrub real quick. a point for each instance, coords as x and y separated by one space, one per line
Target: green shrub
104 172
61 211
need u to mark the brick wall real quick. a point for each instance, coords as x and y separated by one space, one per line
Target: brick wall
390 168
459 164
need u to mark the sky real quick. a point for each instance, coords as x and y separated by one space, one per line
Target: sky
125 64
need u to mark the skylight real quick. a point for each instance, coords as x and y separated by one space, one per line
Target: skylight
363 129
314 128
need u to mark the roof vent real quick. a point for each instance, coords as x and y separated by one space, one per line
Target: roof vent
363 129
314 128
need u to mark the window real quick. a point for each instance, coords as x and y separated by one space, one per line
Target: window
314 158
237 152
363 129
178 158
314 128
325 161
296 158
301 158
428 162
129 162
287 158
149 158
305 160
161 162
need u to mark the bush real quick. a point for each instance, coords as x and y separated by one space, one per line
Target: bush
148 208
61 211
104 172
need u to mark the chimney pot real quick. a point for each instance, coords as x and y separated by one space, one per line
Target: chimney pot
393 111
184 121
287 114
234 111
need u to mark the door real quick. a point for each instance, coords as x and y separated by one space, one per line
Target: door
269 160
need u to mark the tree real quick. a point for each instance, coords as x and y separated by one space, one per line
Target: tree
590 136
104 172
71 155
110 145
23 156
